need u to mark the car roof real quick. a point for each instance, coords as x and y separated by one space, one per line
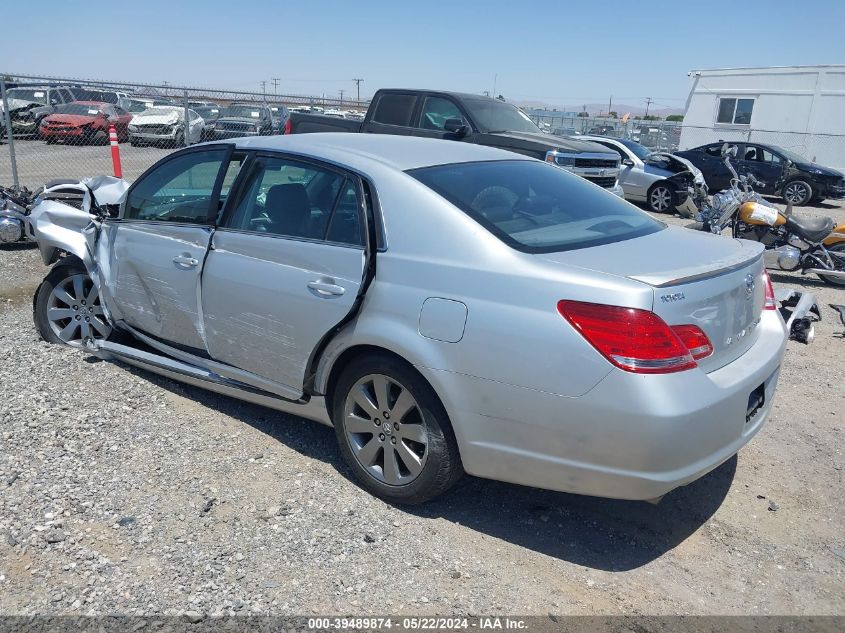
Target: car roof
91 103
361 150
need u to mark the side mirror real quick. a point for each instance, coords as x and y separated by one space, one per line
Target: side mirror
457 127
627 162
729 151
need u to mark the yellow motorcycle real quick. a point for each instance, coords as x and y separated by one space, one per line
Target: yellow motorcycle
813 245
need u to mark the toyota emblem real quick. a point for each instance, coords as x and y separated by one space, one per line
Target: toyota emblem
749 285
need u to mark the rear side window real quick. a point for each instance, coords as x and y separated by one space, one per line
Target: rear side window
286 197
535 207
394 109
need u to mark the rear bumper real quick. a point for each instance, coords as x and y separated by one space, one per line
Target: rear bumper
233 133
630 437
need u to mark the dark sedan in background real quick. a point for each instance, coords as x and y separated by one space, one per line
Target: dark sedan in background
784 173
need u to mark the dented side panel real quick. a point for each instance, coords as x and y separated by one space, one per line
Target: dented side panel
153 276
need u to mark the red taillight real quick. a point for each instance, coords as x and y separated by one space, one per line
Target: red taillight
636 340
288 126
770 292
695 340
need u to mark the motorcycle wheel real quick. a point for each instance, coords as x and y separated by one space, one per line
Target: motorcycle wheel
839 282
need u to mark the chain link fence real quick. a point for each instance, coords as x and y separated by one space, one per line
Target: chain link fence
57 127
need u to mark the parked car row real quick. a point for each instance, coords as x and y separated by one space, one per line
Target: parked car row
76 115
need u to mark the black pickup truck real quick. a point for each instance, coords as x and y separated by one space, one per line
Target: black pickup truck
472 119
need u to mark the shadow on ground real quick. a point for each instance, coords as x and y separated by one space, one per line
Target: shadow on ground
599 533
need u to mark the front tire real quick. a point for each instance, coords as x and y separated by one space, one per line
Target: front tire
661 198
834 281
393 431
67 308
798 192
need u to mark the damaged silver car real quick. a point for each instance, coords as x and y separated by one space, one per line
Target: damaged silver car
446 307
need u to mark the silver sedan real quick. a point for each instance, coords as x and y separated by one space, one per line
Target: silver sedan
447 307
659 179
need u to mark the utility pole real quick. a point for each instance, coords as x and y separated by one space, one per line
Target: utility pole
495 81
341 96
276 81
264 89
647 103
358 86
609 105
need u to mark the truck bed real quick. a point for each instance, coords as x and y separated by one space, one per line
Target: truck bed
304 123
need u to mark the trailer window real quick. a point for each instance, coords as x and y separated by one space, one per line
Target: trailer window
735 111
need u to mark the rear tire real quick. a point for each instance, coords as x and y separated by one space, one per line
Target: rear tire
834 281
67 307
798 192
661 198
409 458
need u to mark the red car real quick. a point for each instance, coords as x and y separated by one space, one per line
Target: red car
83 122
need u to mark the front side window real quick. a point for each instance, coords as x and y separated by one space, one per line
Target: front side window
735 111
284 197
436 111
535 207
768 157
180 190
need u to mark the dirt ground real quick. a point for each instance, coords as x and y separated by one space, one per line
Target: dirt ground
123 492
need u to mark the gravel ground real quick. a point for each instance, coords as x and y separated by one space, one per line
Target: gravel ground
123 492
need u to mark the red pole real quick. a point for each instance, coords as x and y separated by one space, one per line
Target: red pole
115 152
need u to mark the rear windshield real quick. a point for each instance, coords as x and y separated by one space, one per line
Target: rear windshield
535 207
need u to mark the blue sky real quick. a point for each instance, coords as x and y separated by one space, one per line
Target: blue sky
562 53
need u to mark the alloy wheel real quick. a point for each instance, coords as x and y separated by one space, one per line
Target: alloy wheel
74 311
385 429
796 193
660 199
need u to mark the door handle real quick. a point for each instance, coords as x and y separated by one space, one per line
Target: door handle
185 260
326 288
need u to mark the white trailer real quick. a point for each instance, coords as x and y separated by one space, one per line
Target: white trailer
801 108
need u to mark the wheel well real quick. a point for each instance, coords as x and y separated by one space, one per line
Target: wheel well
350 354
68 260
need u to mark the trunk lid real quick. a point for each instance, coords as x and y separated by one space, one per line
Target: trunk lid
697 278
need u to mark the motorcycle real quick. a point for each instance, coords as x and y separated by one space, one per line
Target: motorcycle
813 245
15 205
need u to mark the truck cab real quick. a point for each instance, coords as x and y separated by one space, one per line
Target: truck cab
471 118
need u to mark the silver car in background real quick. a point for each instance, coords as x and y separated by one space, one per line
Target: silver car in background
447 307
659 179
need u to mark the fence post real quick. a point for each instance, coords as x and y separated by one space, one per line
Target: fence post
187 121
9 135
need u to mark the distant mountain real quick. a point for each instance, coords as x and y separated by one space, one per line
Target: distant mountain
598 108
